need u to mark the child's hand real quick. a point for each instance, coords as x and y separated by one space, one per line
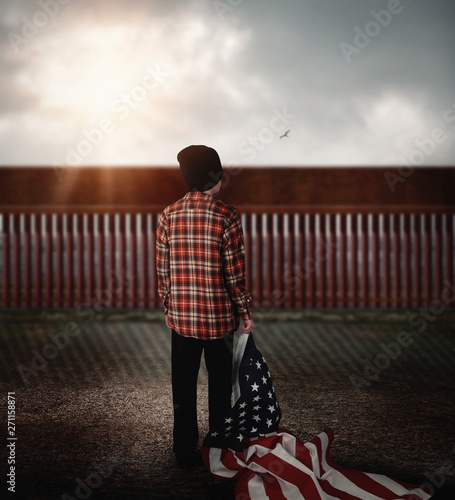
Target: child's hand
247 326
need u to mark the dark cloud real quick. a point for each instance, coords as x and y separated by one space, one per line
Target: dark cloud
354 98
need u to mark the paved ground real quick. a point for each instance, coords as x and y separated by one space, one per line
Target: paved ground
103 402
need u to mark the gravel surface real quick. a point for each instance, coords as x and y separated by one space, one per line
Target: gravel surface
103 403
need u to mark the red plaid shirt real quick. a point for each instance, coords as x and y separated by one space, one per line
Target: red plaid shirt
200 260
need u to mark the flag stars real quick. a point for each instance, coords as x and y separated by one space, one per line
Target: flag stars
256 413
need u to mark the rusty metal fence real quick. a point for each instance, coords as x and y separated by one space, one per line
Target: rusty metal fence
314 237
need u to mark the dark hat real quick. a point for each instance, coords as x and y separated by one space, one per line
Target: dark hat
201 167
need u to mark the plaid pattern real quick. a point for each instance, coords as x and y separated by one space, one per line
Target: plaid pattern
200 260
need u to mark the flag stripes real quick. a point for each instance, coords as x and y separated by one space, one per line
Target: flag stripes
276 465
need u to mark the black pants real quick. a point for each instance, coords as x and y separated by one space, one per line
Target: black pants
186 359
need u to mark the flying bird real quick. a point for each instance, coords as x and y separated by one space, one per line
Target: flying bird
285 134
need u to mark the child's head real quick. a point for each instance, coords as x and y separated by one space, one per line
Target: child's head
201 167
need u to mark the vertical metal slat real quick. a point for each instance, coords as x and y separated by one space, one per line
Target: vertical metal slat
101 256
386 260
154 275
375 259
269 278
133 282
354 260
322 262
80 281
258 274
332 248
144 261
407 256
16 260
397 298
301 260
38 261
280 262
365 260
309 270
291 281
49 271
90 257
343 261
27 260
121 272
427 258
111 259
438 255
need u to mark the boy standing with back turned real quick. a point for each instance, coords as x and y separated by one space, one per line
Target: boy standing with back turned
200 259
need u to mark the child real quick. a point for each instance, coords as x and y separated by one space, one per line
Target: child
200 260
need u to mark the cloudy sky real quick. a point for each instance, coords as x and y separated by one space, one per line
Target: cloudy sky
111 82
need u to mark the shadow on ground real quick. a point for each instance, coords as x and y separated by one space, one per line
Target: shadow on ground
94 414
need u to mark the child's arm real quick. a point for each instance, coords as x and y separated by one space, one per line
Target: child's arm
162 262
233 261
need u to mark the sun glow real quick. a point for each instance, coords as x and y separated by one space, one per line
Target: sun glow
97 66
129 80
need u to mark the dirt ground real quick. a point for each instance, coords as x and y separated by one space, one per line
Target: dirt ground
102 400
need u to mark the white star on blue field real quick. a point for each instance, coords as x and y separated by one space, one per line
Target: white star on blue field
256 412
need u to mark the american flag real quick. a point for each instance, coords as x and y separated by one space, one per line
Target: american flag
269 462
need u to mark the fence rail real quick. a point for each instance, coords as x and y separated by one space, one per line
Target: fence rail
315 237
